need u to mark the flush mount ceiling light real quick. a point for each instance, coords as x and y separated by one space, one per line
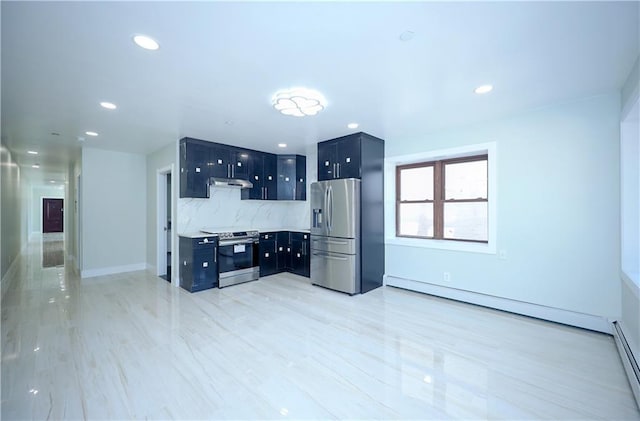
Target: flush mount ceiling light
298 102
108 105
407 36
484 89
91 133
146 42
35 166
352 125
282 145
32 152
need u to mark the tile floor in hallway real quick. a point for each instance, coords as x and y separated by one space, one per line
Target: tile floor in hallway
131 346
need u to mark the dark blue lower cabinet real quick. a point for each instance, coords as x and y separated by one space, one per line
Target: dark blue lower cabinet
198 263
268 254
288 253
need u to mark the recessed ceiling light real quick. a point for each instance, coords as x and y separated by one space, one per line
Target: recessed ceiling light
282 145
146 42
32 152
298 102
35 166
91 133
352 125
108 105
51 181
483 89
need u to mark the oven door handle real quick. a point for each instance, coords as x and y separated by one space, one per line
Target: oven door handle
222 243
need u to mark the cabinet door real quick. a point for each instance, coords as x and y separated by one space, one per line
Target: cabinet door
194 171
306 252
297 257
268 256
326 160
205 269
256 171
240 164
270 176
286 177
220 160
284 251
301 178
348 158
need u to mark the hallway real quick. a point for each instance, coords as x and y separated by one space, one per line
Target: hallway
132 346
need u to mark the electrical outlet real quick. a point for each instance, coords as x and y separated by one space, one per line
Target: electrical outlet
447 277
502 255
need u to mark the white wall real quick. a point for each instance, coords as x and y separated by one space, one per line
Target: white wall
113 212
11 220
558 210
160 159
38 192
225 209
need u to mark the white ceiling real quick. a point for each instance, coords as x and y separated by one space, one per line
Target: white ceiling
220 62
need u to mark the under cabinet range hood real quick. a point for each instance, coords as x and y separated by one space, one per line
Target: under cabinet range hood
232 182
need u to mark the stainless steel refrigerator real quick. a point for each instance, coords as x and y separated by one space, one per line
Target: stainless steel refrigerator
335 234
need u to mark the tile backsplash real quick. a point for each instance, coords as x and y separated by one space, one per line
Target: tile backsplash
225 209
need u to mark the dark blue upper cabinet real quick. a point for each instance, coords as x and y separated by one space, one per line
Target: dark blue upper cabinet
194 168
201 160
262 173
220 160
292 177
340 158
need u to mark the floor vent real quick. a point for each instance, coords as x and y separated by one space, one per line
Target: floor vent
628 360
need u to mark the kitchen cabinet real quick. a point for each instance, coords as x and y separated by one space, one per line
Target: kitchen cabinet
299 256
229 162
268 254
340 158
292 177
198 263
194 168
202 161
263 175
284 251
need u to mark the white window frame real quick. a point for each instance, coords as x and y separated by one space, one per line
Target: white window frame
390 165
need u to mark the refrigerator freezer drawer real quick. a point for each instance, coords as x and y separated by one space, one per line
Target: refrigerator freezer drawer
334 245
340 272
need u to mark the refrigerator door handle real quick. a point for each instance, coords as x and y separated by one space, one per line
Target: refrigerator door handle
330 209
329 256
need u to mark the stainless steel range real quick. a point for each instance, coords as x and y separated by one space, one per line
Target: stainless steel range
238 256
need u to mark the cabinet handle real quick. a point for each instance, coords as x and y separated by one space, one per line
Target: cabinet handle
334 170
215 254
338 170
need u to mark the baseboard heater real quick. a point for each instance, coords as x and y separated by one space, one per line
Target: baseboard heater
628 361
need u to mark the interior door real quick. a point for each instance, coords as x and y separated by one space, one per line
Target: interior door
52 218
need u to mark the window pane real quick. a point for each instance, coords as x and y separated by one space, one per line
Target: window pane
416 183
416 219
466 221
466 180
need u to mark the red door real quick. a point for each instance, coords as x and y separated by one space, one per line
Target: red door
52 215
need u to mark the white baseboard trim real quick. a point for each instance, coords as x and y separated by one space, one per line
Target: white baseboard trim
91 273
629 360
571 318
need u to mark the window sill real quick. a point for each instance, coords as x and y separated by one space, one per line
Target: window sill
486 248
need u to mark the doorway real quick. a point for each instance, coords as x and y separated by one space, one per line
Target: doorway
52 215
164 223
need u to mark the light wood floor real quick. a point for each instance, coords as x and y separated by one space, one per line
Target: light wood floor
133 347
